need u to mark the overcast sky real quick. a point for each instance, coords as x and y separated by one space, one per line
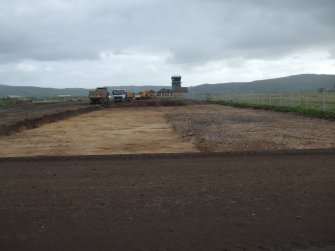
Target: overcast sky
86 43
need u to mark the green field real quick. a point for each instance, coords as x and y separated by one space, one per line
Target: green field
5 101
315 101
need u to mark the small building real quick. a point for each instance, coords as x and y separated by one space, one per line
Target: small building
180 92
152 93
176 90
164 92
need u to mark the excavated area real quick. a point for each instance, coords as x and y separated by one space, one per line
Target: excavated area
243 198
108 131
161 128
217 128
22 116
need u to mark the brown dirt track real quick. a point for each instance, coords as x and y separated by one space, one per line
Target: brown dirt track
269 201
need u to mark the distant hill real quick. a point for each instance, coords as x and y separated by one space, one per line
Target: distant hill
40 92
296 83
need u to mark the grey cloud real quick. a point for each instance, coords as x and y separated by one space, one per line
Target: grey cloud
193 32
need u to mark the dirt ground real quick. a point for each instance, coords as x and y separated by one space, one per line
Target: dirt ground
190 128
22 116
232 202
223 128
108 131
12 113
245 200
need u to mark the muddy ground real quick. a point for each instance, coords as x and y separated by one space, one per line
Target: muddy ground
169 129
279 201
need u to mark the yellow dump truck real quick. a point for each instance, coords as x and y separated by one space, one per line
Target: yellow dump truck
130 96
99 96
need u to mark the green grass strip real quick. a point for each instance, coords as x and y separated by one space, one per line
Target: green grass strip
297 110
5 102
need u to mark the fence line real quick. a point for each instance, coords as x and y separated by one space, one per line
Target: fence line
320 101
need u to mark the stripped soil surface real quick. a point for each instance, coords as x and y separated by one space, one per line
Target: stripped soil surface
243 200
264 201
20 116
108 131
143 128
218 128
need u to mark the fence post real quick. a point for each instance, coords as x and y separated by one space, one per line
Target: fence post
306 102
270 100
323 101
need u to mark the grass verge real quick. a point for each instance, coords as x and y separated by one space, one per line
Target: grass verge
5 101
298 110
